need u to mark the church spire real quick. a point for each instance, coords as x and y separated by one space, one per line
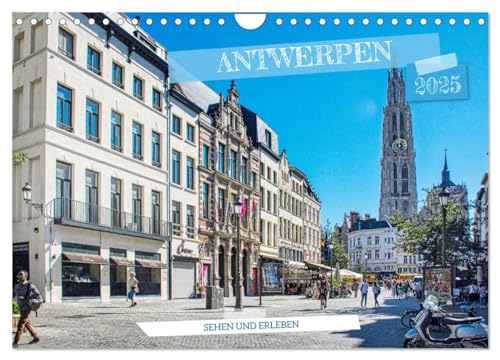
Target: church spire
395 88
233 94
445 174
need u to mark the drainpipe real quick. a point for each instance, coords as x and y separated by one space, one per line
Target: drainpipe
167 163
51 284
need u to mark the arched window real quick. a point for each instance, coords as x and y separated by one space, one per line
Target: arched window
404 177
395 178
206 249
404 172
394 124
401 125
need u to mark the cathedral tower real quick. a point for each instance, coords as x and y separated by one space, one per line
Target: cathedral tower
398 184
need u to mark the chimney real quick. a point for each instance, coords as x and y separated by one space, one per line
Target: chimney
354 217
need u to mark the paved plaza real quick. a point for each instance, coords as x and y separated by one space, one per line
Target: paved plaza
114 325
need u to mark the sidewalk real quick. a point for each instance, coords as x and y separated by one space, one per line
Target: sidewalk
114 325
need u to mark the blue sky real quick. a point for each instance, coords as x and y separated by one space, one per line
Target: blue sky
331 124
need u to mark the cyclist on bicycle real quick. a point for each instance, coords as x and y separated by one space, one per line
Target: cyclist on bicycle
323 290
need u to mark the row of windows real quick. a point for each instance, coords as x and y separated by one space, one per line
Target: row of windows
412 259
66 47
410 270
290 231
93 125
291 254
290 204
313 236
176 170
221 207
267 175
189 227
224 209
177 128
268 202
369 242
206 162
268 233
93 197
36 42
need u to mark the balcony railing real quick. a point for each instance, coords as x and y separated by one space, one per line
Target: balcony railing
81 214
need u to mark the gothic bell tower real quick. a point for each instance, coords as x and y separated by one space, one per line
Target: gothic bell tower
398 182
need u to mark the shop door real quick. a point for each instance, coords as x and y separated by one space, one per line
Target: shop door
20 260
183 279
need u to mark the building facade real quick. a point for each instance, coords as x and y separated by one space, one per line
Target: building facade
311 210
132 174
228 169
90 114
265 139
480 230
398 184
184 160
372 243
346 227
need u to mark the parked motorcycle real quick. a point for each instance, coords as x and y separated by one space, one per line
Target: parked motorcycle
409 315
460 331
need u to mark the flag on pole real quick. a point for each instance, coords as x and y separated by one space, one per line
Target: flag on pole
218 208
229 207
243 206
254 208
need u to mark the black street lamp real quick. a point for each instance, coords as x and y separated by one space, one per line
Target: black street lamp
443 200
27 193
366 264
237 213
330 247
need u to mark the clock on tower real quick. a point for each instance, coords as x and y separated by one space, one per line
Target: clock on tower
398 184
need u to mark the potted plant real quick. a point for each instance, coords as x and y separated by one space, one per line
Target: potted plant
16 315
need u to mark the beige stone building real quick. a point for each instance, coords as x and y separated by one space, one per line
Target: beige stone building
90 114
228 170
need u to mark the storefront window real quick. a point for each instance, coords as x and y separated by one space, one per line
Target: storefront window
80 278
117 274
149 277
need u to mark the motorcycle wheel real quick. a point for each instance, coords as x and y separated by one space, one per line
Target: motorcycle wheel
408 343
406 320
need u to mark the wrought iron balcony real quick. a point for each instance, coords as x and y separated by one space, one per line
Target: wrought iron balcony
89 216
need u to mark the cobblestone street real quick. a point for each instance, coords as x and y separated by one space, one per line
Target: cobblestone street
114 325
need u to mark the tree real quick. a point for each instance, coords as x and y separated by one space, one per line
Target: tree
339 255
359 267
326 234
424 234
331 236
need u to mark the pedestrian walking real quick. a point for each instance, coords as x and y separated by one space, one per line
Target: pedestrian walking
483 292
364 292
133 286
23 292
473 291
355 286
394 288
376 293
